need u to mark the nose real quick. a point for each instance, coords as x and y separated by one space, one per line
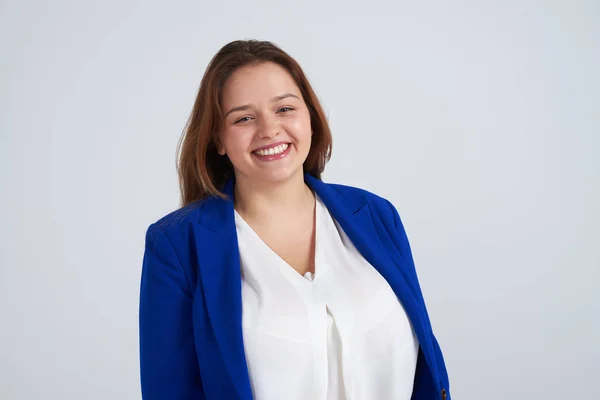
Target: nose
269 127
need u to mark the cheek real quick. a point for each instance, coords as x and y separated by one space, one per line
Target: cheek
234 142
301 127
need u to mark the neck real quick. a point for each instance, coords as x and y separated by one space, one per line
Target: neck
268 200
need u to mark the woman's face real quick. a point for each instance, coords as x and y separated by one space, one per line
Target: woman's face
263 108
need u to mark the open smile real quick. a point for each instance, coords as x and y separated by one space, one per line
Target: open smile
273 153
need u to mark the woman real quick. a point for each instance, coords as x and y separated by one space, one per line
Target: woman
332 307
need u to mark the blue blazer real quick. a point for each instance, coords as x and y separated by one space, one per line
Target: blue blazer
190 315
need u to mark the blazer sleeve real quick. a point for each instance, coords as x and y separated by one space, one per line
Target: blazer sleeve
402 239
168 363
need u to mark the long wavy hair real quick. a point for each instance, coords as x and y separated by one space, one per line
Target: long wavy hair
202 171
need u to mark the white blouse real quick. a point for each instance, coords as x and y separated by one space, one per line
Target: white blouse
341 334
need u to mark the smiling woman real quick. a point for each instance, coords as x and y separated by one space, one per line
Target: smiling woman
269 283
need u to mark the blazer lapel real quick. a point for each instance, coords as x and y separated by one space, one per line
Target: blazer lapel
219 261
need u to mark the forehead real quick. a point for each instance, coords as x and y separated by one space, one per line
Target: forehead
257 83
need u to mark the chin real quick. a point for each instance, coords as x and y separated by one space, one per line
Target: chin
279 176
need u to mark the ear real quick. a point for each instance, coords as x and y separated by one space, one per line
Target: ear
218 146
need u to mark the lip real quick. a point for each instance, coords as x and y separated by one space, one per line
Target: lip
270 145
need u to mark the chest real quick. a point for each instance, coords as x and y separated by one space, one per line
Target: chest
342 334
293 242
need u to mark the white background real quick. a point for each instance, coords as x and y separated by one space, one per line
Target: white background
479 120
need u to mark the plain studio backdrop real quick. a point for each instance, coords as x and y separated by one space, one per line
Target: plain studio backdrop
480 121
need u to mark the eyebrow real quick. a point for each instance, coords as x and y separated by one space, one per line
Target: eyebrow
273 100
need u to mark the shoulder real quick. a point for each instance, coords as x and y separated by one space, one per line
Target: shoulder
170 241
173 229
180 217
378 203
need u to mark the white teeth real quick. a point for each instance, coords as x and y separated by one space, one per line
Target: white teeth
274 150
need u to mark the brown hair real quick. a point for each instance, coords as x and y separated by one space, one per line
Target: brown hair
202 171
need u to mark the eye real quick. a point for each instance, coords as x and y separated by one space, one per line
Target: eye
286 108
243 119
